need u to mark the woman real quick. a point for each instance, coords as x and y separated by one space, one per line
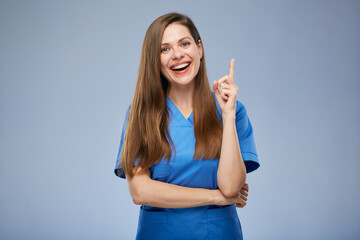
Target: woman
184 150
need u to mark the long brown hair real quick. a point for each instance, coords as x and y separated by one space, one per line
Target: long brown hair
147 136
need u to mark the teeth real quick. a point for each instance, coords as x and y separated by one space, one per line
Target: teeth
181 66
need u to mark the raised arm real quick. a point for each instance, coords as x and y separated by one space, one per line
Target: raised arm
145 191
231 175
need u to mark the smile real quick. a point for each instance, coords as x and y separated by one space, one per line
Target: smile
181 68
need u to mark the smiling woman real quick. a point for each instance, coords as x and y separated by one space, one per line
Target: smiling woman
184 150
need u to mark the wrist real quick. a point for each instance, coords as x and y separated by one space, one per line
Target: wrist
228 116
216 197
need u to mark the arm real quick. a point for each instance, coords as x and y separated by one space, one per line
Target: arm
145 191
231 173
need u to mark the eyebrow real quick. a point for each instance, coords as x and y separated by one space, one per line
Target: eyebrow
178 41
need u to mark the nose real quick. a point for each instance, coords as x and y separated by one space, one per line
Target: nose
178 53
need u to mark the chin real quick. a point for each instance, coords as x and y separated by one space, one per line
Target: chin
180 79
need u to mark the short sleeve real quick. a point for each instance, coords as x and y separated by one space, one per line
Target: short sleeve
246 138
118 168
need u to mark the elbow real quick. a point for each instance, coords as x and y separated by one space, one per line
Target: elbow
138 197
229 192
139 194
137 200
139 187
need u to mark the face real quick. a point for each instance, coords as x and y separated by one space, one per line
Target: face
180 55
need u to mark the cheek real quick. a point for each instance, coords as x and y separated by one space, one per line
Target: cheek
195 54
163 61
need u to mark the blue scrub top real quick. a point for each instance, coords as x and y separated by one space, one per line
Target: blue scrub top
182 169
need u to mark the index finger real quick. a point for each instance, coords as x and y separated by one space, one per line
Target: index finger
231 71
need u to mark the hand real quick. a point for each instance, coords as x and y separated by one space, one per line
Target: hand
239 199
244 193
226 91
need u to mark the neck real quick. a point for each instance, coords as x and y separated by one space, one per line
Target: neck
182 96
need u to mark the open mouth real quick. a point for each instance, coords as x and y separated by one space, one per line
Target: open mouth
180 67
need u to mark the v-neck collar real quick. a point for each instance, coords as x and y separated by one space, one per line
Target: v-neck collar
177 118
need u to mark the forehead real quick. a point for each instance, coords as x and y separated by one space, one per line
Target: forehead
175 32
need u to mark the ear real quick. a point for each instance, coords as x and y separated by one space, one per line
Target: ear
200 48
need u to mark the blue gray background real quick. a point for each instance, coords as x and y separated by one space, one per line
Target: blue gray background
68 71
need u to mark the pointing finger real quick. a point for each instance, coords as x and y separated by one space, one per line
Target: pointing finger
231 71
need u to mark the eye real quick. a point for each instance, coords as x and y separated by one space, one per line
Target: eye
164 49
184 44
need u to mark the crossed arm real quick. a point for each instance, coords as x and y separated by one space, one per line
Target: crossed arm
145 191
